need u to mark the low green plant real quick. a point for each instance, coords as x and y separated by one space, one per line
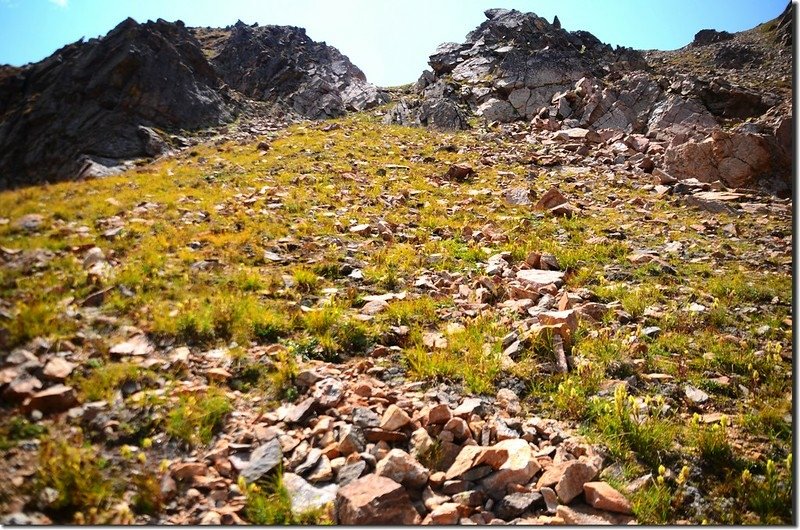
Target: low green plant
73 470
628 428
106 379
416 311
432 455
195 419
770 496
148 498
269 504
712 443
336 335
282 378
570 399
472 355
18 428
306 280
653 504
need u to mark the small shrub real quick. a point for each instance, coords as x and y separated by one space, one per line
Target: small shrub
74 471
306 280
196 419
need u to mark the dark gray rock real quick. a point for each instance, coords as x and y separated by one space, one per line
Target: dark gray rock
516 504
364 417
704 37
88 100
282 64
263 460
350 472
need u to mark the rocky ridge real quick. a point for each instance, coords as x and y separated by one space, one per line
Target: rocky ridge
282 64
729 126
92 107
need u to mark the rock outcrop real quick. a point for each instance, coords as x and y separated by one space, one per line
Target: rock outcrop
517 66
282 64
98 102
92 106
507 69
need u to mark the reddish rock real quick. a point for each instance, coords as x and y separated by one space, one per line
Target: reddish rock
519 467
737 159
187 470
459 428
58 369
602 496
138 345
584 515
575 475
394 418
459 172
300 412
218 374
57 398
403 468
374 500
473 456
552 198
445 514
552 318
537 279
379 435
21 388
440 414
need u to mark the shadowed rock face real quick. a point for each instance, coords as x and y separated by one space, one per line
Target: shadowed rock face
282 64
90 101
91 106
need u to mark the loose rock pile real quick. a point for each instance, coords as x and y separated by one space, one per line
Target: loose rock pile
357 445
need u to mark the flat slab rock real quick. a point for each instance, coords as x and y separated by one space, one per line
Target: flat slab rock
538 278
263 460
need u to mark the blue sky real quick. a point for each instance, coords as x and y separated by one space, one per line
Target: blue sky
389 40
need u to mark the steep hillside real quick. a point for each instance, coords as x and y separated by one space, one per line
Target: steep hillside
552 284
416 321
